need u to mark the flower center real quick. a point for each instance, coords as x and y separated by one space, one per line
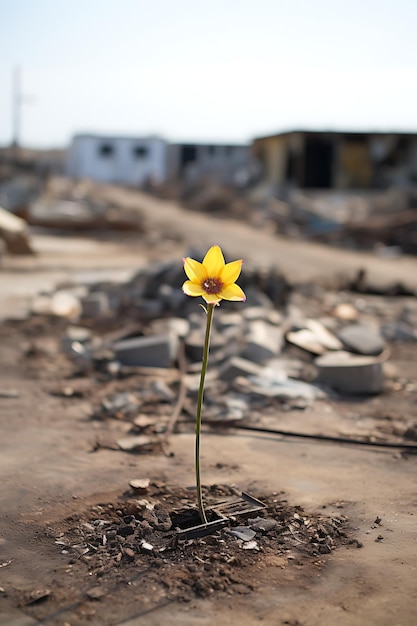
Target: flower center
212 285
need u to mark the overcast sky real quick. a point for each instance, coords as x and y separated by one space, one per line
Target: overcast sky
213 70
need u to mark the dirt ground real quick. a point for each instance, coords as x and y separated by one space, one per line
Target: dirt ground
58 490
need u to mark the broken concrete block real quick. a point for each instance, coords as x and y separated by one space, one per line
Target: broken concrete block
398 331
362 339
350 373
273 385
236 366
96 305
272 316
13 230
263 342
327 339
151 351
307 340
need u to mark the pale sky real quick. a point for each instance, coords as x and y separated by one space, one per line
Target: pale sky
207 70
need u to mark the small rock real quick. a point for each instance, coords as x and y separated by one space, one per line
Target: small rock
65 304
243 532
263 341
362 339
140 485
398 331
306 340
250 545
237 366
136 444
264 525
345 312
96 593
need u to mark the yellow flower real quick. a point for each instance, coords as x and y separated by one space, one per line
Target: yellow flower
213 279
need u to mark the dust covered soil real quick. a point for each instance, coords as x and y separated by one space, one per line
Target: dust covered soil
79 546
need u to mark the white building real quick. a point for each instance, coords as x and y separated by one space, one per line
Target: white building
123 160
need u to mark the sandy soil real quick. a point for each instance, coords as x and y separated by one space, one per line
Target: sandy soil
49 471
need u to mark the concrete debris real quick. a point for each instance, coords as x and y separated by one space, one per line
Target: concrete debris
13 231
398 331
140 485
263 341
346 312
263 524
362 339
236 366
314 338
283 389
352 374
244 533
307 340
138 443
152 351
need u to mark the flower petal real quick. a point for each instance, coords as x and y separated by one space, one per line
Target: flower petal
232 292
231 272
194 270
211 298
214 261
191 289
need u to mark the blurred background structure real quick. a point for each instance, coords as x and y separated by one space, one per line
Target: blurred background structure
300 119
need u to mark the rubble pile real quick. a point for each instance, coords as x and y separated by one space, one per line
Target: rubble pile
146 531
285 348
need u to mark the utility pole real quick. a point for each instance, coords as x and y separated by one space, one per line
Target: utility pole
16 106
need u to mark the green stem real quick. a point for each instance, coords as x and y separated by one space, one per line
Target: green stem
210 310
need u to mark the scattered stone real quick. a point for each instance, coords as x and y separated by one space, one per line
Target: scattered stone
263 342
96 305
263 524
282 389
237 366
9 393
65 304
398 331
138 443
13 231
305 339
362 339
350 373
140 485
38 595
250 545
96 593
345 312
244 533
149 351
327 339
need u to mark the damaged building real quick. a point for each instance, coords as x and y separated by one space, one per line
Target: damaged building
337 160
138 161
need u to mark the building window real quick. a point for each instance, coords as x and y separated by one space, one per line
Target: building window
106 150
140 152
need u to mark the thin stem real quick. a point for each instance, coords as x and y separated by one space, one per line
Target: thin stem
210 310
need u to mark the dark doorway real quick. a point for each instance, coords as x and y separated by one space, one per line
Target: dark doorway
318 162
188 154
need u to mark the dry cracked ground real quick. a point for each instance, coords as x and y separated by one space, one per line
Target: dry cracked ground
337 540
